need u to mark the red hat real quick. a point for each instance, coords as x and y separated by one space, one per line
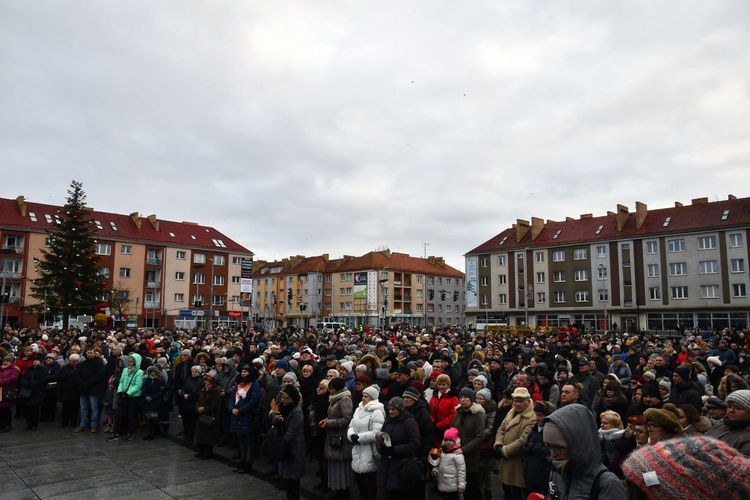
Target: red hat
435 374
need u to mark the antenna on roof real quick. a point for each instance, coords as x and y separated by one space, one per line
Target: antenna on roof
424 247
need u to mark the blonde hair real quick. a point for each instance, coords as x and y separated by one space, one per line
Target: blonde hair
443 379
613 417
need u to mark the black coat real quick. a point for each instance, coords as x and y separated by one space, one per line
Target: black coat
67 384
155 389
536 466
421 413
91 377
405 441
35 379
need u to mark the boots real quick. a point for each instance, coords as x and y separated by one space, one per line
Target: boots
487 495
164 429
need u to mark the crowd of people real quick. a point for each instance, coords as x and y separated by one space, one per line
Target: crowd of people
399 412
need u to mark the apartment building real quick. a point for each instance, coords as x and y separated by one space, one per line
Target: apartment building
657 270
378 288
165 273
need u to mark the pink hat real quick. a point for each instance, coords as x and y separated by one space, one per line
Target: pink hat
451 434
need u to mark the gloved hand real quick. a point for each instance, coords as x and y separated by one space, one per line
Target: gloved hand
499 451
387 451
148 399
355 438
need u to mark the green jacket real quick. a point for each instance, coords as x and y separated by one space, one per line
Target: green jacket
132 382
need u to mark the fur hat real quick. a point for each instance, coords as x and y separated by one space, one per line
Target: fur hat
714 359
741 397
544 408
665 418
521 392
451 435
467 392
372 391
683 466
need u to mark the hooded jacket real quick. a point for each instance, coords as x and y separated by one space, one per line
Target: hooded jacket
132 382
470 424
366 423
576 479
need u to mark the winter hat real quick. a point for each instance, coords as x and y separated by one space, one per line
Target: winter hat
552 435
337 384
451 435
283 364
714 359
186 352
485 393
292 392
467 392
403 370
544 408
649 375
689 467
666 384
411 393
197 368
364 379
521 393
664 418
382 373
372 391
683 372
348 366
714 402
482 379
258 362
435 374
398 404
290 376
474 372
562 369
651 389
162 360
741 397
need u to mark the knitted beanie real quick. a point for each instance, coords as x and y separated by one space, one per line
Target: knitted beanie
283 364
691 467
666 384
398 404
373 392
741 397
451 434
552 435
485 393
348 366
186 352
467 392
482 379
290 376
683 372
412 393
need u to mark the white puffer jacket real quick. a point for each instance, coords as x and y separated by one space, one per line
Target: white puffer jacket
366 423
451 472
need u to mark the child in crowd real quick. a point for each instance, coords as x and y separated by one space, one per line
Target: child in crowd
449 467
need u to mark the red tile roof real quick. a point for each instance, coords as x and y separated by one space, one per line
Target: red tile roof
699 216
120 227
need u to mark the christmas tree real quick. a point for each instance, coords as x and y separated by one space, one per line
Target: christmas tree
68 279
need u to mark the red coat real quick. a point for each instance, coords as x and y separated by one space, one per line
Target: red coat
442 410
24 364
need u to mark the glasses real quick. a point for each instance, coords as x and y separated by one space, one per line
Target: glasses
639 431
651 426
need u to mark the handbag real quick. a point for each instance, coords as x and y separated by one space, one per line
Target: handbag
122 398
206 421
486 450
274 447
410 470
24 393
8 394
336 441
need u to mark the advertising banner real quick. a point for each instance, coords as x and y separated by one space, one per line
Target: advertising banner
471 282
360 286
246 281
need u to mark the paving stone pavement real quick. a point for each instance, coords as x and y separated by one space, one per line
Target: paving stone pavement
56 463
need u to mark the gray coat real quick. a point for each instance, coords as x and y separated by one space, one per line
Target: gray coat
340 412
470 425
294 436
738 437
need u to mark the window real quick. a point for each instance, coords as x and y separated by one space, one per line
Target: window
103 249
236 260
679 292
677 269
48 242
581 275
738 265
503 298
484 300
179 276
735 240
483 281
328 292
126 249
199 258
235 280
540 277
601 273
709 291
502 279
103 272
179 297
582 296
580 254
218 280
706 242
218 243
328 278
559 297
558 256
539 257
541 297
349 276
123 294
653 270
652 247
654 293
501 260
181 254
739 290
328 306
420 279
197 300
199 279
419 294
483 262
217 300
601 251
625 263
349 290
558 276
420 308
676 246
625 246
603 295
124 272
709 266
220 260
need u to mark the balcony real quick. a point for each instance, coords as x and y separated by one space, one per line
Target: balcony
12 249
153 284
10 299
151 304
12 275
153 261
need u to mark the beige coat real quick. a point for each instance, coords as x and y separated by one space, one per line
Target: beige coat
512 435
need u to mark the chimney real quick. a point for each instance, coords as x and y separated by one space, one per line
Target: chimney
521 229
587 216
641 211
568 219
154 222
21 205
537 225
610 213
622 216
699 201
731 197
136 218
677 204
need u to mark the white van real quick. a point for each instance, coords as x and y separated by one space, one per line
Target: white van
330 326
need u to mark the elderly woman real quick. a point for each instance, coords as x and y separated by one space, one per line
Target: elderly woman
208 408
243 404
338 449
469 420
189 397
292 467
610 431
662 424
367 421
8 381
399 441
318 409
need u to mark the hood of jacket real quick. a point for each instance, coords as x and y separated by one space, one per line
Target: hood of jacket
373 406
137 358
474 408
578 427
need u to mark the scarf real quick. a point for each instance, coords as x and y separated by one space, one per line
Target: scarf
242 390
335 397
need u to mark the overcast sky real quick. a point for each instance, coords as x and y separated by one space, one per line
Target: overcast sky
344 126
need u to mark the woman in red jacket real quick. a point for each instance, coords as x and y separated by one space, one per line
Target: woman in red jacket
443 406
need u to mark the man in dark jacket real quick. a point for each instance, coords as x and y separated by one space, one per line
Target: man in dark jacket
684 390
420 410
90 387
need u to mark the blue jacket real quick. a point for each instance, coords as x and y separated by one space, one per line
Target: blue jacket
247 407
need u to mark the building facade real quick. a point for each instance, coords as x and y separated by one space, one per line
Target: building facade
158 273
657 270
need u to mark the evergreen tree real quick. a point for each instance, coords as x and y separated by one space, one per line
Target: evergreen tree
68 270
